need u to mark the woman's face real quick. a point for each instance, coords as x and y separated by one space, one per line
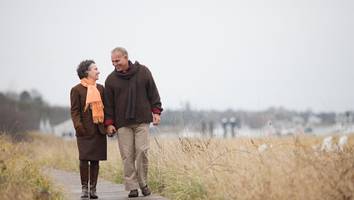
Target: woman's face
93 72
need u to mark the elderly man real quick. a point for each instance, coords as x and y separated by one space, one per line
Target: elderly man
132 101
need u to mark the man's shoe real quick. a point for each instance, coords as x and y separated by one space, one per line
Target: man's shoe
146 190
133 193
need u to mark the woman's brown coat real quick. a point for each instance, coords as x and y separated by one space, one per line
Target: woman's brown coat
91 137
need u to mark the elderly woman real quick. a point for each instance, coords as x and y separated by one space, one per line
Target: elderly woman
87 115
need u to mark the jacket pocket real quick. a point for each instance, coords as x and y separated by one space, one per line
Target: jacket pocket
81 131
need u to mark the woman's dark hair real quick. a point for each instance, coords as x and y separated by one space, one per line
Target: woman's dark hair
83 68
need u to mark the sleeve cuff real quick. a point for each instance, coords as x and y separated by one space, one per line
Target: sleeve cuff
156 111
108 122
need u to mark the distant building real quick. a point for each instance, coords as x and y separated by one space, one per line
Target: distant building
298 120
314 121
45 126
64 129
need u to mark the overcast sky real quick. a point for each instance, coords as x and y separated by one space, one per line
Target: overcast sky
249 54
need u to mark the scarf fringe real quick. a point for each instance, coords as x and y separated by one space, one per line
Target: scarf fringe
97 112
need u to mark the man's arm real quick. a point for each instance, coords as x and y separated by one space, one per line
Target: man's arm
154 98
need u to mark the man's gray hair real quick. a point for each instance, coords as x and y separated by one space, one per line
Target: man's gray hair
120 49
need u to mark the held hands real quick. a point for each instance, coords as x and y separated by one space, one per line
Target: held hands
111 130
156 119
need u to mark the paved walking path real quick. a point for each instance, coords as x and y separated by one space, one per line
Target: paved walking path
106 190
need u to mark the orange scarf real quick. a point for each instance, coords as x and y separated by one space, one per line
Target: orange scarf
93 99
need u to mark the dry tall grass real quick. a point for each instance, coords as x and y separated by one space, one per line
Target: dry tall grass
20 175
228 169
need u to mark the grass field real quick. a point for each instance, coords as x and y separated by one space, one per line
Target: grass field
21 176
226 169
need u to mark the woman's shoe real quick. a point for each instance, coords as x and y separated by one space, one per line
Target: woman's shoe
84 193
93 194
133 193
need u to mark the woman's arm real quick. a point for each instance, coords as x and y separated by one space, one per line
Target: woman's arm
76 111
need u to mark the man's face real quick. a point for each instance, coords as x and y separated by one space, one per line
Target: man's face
119 60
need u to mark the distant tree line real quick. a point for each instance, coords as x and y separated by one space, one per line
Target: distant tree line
23 111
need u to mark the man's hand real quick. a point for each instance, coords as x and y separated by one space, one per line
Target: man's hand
156 119
111 130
